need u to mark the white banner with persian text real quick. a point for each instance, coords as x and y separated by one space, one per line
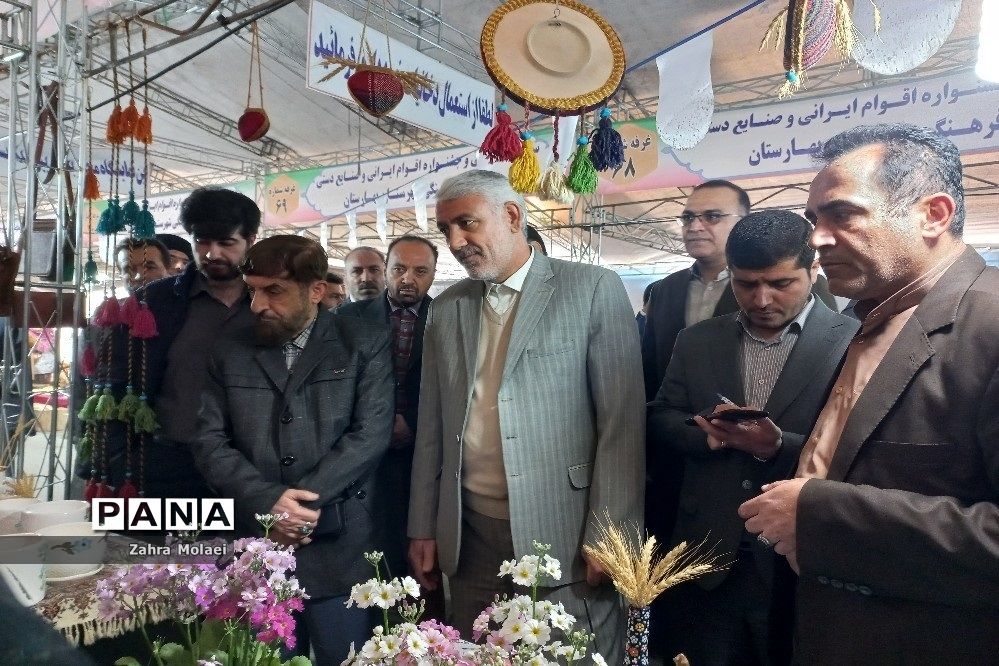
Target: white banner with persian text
460 107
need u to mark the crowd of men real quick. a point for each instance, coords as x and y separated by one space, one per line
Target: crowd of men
857 509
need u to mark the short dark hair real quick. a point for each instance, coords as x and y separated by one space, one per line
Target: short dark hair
364 248
296 258
534 235
647 294
767 237
129 244
175 242
740 193
334 278
917 162
215 212
413 239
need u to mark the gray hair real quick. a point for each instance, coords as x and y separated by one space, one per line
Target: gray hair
494 187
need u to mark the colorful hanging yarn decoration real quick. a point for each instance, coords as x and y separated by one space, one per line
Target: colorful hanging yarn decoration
146 225
552 186
91 193
606 144
502 143
582 178
525 172
808 30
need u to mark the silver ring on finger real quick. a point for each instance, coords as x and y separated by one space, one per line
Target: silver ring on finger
765 542
305 529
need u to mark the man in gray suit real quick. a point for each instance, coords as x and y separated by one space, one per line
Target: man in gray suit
296 414
531 413
779 352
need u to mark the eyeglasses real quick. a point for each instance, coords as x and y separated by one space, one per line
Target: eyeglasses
710 218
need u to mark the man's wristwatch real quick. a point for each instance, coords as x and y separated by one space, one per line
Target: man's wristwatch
780 443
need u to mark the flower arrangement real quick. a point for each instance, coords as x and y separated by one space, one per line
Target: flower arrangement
511 631
239 614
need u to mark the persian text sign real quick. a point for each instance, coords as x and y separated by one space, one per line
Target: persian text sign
460 107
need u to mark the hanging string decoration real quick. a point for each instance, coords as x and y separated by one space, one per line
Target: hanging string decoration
146 225
552 186
606 145
254 122
808 29
376 88
525 171
502 142
582 178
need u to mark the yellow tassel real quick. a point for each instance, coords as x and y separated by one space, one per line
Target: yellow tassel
791 85
525 170
845 36
553 187
776 30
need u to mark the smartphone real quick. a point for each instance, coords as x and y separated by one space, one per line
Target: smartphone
734 415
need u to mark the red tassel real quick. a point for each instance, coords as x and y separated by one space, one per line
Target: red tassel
108 313
129 120
113 133
90 491
91 187
144 128
88 364
128 489
129 309
502 143
104 490
144 324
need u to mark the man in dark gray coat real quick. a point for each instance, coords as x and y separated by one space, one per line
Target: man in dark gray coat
296 414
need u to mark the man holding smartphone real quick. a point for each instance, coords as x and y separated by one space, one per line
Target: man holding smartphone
778 354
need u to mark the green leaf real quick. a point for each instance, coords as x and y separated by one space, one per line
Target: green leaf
174 654
298 661
127 661
212 632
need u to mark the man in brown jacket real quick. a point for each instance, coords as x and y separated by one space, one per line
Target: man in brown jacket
893 520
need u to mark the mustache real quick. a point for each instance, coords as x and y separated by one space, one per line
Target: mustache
466 252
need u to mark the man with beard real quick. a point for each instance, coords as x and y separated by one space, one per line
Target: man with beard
532 419
192 311
336 291
297 412
402 309
364 268
141 261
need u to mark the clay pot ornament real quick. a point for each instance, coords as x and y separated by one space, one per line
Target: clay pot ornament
253 124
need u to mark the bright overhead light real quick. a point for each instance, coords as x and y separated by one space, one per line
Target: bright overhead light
987 66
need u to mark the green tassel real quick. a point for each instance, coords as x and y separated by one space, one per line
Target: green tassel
88 413
146 226
86 446
90 268
145 418
130 211
129 403
106 406
111 221
582 177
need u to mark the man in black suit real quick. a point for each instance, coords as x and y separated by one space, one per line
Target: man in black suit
295 415
402 309
779 352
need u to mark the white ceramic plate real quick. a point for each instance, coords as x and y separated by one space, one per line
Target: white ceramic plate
64 579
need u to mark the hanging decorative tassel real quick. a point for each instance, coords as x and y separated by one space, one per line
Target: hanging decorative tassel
582 177
525 172
129 309
88 413
90 490
108 313
144 420
90 268
113 132
146 226
128 488
144 127
553 187
130 211
88 363
502 143
143 325
91 186
103 489
106 405
86 448
111 221
128 405
607 146
129 120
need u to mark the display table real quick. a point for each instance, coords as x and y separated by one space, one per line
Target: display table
72 607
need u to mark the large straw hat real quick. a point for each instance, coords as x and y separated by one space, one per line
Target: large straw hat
558 57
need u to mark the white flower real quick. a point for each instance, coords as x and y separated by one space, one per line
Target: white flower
369 651
525 574
389 646
362 594
383 595
506 569
411 587
351 657
514 629
551 568
598 660
561 620
537 660
416 644
536 632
